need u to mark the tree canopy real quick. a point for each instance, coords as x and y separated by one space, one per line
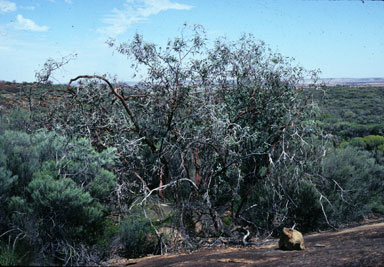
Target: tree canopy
207 123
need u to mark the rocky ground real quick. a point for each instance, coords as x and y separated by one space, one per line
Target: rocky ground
357 246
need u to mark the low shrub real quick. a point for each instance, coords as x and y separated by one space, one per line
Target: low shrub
138 237
62 186
8 255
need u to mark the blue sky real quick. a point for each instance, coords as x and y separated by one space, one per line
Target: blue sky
341 38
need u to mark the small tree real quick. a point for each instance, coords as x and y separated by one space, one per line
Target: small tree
204 126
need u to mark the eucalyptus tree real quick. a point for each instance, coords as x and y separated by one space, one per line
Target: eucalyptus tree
207 123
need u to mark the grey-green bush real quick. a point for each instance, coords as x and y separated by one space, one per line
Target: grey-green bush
61 186
358 183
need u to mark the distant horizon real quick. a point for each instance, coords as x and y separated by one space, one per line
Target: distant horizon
351 78
343 79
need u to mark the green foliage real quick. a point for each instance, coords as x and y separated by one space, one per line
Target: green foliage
6 183
137 236
265 211
373 141
357 142
60 185
21 157
358 183
308 213
17 120
370 142
351 111
227 220
111 231
297 204
63 208
8 256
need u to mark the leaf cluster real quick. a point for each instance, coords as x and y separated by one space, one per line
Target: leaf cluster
54 191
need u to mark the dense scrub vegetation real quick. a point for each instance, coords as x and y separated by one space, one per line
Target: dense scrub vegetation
214 142
352 111
54 193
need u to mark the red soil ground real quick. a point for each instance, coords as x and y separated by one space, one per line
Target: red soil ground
358 246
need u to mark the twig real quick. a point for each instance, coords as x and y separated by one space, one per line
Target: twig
167 185
245 237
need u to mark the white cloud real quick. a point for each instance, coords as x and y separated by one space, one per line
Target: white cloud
68 1
7 6
27 7
28 25
135 11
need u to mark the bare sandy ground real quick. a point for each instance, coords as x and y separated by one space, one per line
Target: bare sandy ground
358 246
